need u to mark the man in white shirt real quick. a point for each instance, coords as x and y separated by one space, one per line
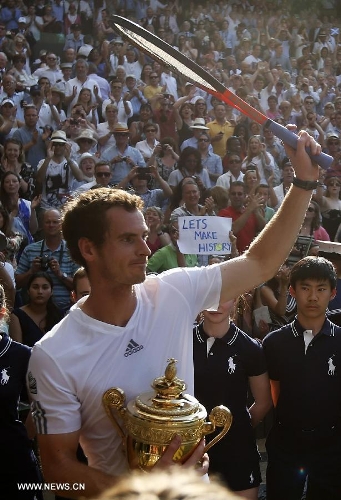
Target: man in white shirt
234 173
133 323
82 80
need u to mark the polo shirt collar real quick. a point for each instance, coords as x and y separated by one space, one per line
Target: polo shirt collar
328 328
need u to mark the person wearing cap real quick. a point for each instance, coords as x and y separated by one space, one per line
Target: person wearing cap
122 157
56 172
87 163
197 127
51 71
9 91
116 55
86 144
66 68
333 146
8 120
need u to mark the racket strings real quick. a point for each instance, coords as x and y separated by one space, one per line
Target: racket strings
174 64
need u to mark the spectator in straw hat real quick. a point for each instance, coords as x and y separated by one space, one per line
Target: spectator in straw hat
86 144
121 156
198 126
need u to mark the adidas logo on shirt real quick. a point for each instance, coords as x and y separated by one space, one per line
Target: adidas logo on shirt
132 348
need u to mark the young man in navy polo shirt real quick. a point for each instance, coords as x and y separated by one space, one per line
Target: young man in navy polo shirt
304 365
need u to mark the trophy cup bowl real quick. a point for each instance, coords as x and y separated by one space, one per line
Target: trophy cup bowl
148 424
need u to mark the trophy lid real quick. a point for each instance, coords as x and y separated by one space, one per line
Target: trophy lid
167 402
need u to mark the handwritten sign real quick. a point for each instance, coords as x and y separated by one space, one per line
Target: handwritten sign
204 235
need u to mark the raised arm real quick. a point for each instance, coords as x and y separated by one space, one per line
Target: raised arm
260 262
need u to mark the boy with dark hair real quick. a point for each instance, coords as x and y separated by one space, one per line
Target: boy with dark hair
304 364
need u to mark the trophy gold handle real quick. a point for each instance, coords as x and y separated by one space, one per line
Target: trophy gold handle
114 398
220 416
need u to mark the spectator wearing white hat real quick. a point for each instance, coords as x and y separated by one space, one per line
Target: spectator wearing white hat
198 126
57 171
87 163
86 144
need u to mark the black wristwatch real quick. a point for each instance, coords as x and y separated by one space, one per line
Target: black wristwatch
306 185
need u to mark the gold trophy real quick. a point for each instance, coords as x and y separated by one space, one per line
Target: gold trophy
148 423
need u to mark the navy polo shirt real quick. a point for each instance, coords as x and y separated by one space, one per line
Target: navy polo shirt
221 378
310 382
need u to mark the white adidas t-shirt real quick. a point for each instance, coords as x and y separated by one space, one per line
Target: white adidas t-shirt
73 365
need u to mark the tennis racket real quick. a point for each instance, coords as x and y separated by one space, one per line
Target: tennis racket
182 65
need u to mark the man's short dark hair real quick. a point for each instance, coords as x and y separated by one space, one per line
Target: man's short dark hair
102 163
85 217
238 184
313 268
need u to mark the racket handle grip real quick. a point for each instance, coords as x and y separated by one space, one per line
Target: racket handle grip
290 138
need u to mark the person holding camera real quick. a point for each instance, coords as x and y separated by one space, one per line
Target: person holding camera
122 157
56 172
32 138
49 255
102 177
140 178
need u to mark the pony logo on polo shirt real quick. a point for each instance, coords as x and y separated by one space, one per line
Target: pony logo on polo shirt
4 376
331 366
232 366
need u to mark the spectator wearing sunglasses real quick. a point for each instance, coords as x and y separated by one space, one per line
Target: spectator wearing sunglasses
234 172
102 176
